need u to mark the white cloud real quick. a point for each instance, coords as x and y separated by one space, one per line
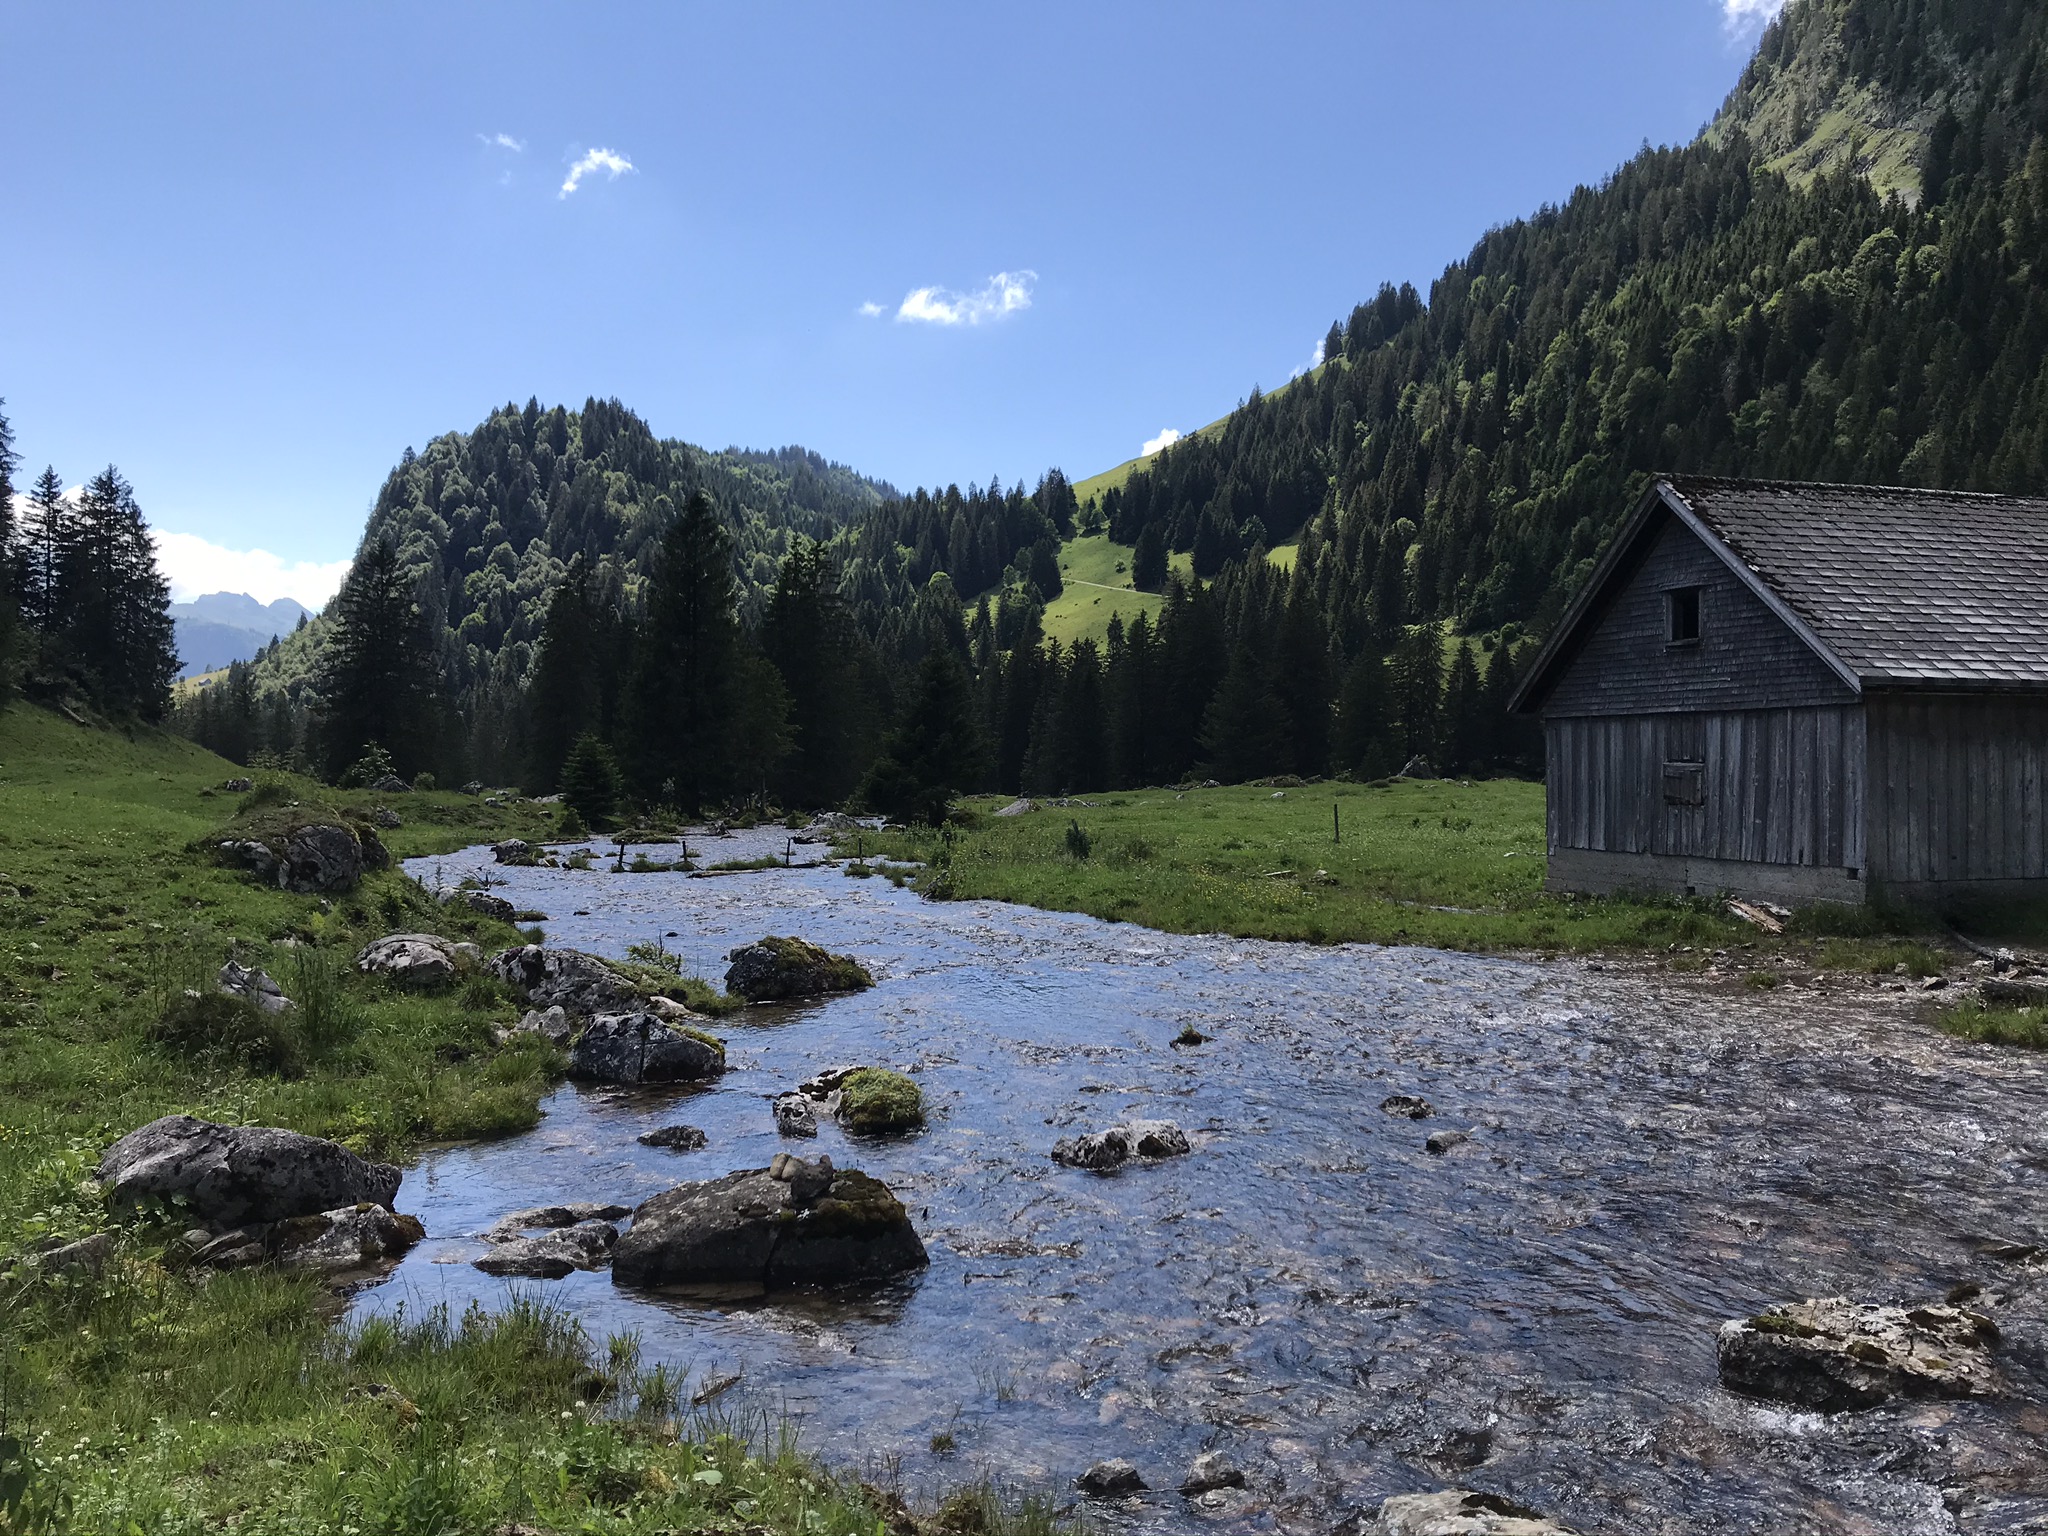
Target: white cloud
502 141
1166 439
872 309
196 566
1744 16
1315 360
609 161
1003 294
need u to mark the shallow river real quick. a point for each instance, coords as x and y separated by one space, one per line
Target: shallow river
1532 1313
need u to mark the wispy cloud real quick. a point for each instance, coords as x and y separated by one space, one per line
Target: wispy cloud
872 309
1742 17
1003 294
196 566
1167 437
1315 361
609 161
501 141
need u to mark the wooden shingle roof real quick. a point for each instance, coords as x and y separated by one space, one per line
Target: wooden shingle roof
1908 587
1891 586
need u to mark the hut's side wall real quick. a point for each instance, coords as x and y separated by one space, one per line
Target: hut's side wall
1775 807
1958 796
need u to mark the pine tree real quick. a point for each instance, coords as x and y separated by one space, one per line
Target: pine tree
1464 715
118 640
936 752
376 678
685 679
11 564
808 634
47 534
1245 731
1362 744
590 781
1415 689
1148 561
574 676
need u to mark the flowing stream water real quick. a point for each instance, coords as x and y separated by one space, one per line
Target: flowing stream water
1532 1313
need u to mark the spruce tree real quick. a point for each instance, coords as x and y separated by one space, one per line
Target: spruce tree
1362 743
1148 561
117 639
685 677
11 565
807 633
1415 689
1245 731
573 678
47 533
590 781
1464 715
936 752
376 678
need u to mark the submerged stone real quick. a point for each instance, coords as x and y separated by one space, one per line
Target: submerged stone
1111 1479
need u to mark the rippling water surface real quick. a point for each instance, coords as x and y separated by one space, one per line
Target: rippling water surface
1350 1316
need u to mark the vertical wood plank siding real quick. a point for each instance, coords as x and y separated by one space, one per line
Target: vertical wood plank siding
1782 786
1958 787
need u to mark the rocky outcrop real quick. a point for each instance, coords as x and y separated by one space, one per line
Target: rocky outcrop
324 859
1835 1354
564 978
554 1023
421 961
1106 1151
238 786
483 903
641 1048
252 986
793 1223
674 1138
234 1174
1457 1512
391 784
774 969
578 1235
256 857
1111 1479
359 1240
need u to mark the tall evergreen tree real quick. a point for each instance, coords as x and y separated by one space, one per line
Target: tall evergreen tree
1148 561
1465 726
809 636
376 680
937 751
47 534
686 675
574 682
1245 730
1362 737
118 638
1415 689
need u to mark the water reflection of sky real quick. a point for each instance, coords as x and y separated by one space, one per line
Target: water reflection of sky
1311 1290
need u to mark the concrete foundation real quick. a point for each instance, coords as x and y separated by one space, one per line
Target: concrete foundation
1600 873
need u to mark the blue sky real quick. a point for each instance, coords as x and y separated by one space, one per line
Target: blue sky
255 251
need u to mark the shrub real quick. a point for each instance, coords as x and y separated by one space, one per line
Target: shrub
875 1101
1079 843
374 764
424 781
590 781
220 1027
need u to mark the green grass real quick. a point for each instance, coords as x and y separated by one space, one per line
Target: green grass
2026 1027
138 1401
1442 863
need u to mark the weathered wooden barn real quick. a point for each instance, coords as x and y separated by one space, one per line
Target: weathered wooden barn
1803 693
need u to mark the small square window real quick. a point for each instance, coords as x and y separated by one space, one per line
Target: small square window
1682 616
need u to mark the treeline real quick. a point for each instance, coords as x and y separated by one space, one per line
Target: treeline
84 611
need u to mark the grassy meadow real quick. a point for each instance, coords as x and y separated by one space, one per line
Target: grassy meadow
139 1401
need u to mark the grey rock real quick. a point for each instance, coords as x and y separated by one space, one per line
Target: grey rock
351 1240
1107 1150
1835 1354
227 1174
1417 767
482 902
1018 808
421 961
751 1228
1110 1479
1441 1142
323 859
675 1138
85 1257
640 1048
567 978
473 787
257 858
514 850
554 1022
796 1115
807 1181
391 784
774 969
1212 1470
238 786
252 986
1458 1512
383 816
539 1217
1414 1106
551 1255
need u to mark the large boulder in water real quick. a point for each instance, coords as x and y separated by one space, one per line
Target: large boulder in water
1457 1512
772 969
1835 1354
642 1048
241 1173
564 978
792 1223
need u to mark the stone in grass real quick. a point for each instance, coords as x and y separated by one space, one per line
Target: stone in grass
253 986
420 961
1834 1354
675 1138
875 1101
228 1174
1459 1512
640 1048
773 969
795 1223
1110 1479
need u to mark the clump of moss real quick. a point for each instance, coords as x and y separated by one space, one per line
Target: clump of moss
875 1102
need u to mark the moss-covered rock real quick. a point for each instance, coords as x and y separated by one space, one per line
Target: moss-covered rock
775 968
876 1102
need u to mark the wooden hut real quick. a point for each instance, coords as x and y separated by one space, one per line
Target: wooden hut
1803 693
